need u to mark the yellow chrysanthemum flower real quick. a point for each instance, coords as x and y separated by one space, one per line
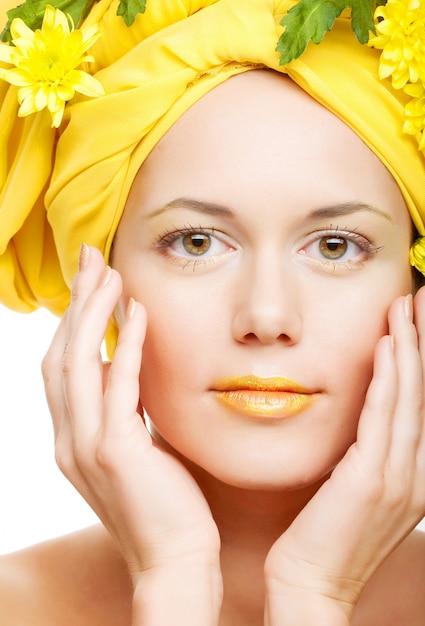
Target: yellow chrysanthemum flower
401 37
415 113
417 254
46 63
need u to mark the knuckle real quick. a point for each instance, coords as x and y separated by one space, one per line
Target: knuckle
397 498
419 503
417 400
67 361
65 460
105 456
374 488
398 493
48 366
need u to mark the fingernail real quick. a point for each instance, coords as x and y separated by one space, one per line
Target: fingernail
83 258
106 275
130 308
408 307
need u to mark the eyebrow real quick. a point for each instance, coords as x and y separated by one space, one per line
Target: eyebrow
347 208
211 208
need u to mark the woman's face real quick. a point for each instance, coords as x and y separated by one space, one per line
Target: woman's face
266 241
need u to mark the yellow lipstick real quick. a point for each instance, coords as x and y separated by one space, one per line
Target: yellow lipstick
274 397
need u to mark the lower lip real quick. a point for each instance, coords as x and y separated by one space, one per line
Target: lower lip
267 404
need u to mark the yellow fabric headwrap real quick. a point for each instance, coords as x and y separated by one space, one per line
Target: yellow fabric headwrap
62 187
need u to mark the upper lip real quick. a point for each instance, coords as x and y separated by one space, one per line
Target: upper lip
251 382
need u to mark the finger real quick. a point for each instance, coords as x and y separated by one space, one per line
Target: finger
65 458
52 364
419 319
53 383
51 369
408 413
374 429
88 277
82 364
122 390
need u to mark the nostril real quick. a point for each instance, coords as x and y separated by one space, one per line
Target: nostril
265 338
266 321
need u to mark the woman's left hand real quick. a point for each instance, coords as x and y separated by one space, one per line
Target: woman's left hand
374 497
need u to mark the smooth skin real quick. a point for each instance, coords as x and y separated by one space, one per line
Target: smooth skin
222 519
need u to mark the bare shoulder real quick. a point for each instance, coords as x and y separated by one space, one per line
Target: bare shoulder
78 579
396 593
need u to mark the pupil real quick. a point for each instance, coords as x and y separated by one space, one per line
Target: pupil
333 247
197 244
197 241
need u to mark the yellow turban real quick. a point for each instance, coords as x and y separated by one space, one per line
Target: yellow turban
62 187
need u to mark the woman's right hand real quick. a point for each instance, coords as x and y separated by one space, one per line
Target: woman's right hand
144 496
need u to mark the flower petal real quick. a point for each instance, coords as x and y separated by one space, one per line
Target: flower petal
86 84
18 30
6 53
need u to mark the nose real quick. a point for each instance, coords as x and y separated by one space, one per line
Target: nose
267 305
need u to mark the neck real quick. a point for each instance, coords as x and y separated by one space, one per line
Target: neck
264 514
249 522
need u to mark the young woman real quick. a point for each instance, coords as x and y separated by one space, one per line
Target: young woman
263 460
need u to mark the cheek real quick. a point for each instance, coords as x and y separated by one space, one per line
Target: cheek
181 337
349 353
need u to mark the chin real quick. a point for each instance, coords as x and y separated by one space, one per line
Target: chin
272 462
263 475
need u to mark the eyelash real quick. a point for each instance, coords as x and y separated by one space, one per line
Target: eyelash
165 241
168 238
366 246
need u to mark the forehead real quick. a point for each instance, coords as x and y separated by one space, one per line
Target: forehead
260 109
260 130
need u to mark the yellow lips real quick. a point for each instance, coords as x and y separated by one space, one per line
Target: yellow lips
275 397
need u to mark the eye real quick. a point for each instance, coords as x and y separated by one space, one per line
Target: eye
191 243
196 243
339 247
333 247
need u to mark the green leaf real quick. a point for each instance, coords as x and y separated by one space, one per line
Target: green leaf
309 20
128 9
32 13
362 20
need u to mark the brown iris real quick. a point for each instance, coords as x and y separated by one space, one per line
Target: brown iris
333 247
196 243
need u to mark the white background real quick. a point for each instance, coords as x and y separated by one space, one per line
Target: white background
36 501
